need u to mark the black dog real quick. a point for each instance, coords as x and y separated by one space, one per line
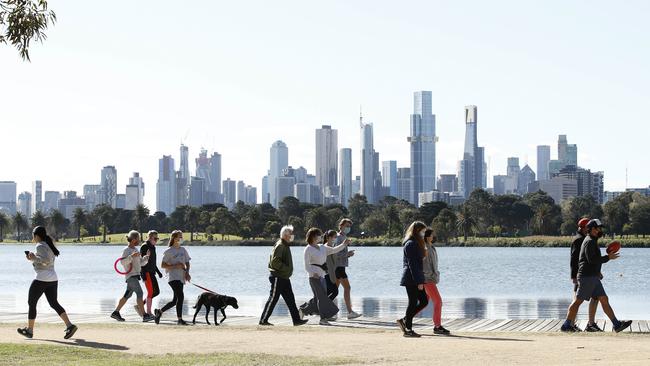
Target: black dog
218 302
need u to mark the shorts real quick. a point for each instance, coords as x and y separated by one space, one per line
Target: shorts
133 286
589 287
340 273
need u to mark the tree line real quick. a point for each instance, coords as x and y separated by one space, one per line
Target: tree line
482 214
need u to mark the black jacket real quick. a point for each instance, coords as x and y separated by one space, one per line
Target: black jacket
151 266
413 265
590 260
575 254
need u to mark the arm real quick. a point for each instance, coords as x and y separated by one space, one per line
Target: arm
187 271
575 253
414 262
41 256
331 250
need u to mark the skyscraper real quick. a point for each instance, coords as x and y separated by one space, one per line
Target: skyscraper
448 183
184 169
367 162
279 162
229 193
423 146
196 193
404 184
543 158
166 185
345 175
50 201
109 186
326 157
37 195
203 167
389 176
91 194
471 174
134 192
526 177
24 205
241 191
513 171
214 185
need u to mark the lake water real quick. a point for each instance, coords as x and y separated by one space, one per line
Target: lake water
475 282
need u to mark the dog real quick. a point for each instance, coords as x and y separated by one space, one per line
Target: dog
218 302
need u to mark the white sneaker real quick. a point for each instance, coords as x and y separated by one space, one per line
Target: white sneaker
332 319
353 315
324 322
137 310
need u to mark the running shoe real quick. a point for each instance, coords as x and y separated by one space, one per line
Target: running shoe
593 328
353 315
411 334
182 322
624 325
157 315
265 324
441 330
70 331
300 322
116 315
26 332
147 318
570 329
332 319
324 322
401 324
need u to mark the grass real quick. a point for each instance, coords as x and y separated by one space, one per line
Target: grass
22 354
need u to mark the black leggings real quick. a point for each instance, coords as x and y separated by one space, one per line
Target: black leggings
177 287
39 288
417 301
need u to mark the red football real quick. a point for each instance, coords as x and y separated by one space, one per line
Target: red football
614 247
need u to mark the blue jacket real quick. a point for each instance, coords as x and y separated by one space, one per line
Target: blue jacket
413 271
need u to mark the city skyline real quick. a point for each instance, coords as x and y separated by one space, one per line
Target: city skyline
112 103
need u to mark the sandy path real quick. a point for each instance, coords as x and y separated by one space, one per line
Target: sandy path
367 346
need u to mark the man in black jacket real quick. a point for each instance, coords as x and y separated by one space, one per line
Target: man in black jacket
575 255
589 285
149 271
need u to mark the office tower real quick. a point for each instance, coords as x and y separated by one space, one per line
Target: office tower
389 177
184 168
251 195
356 186
266 195
91 194
526 177
8 197
70 202
326 157
587 183
558 188
109 185
229 193
120 201
196 193
471 169
368 170
279 154
345 176
134 192
203 167
37 195
422 141
214 185
24 204
448 183
166 185
302 176
241 191
561 147
50 201
404 184
543 158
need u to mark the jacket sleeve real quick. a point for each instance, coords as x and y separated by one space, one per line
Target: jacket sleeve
42 257
593 254
307 262
414 261
276 259
575 254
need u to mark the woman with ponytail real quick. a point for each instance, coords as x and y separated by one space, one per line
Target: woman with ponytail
413 275
46 282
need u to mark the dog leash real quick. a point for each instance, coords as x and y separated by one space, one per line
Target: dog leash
202 288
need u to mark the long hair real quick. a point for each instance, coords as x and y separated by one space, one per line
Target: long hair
413 233
175 235
312 233
42 234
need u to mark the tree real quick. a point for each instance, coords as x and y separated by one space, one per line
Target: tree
375 224
38 219
289 206
444 225
617 213
79 219
547 216
22 21
359 209
392 219
479 204
640 219
4 223
58 223
298 226
105 213
576 208
192 220
510 212
140 217
467 222
429 210
272 229
318 218
20 223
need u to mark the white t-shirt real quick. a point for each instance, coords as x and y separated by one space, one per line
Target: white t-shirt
318 255
44 263
174 256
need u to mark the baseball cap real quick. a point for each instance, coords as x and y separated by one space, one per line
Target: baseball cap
583 222
594 223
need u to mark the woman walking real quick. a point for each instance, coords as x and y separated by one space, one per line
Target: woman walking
315 255
176 261
431 280
46 282
413 276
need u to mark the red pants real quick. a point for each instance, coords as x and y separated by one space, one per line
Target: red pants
434 296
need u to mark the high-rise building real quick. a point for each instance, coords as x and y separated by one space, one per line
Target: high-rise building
229 193
404 184
184 168
251 195
279 162
91 194
504 184
8 197
567 154
326 157
241 191
109 185
203 168
558 188
37 195
356 186
120 201
301 175
266 195
307 193
471 169
422 141
345 176
197 192
51 201
448 183
526 177
285 183
70 202
432 196
543 158
166 185
214 185
562 147
134 192
513 171
368 168
389 176
587 183
24 204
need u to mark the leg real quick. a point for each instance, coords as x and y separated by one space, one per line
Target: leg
121 302
332 288
287 294
170 304
215 316
573 309
346 294
417 301
207 312
604 303
180 297
432 293
198 307
148 283
36 290
593 306
222 313
51 294
274 295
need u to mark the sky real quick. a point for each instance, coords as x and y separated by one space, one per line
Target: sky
125 82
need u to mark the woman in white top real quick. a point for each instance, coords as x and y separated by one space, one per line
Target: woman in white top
315 257
46 282
176 261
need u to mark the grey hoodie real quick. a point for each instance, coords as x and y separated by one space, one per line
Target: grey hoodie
431 273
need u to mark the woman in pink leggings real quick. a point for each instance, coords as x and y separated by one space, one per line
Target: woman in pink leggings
431 279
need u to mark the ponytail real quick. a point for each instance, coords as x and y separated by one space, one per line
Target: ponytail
50 243
42 234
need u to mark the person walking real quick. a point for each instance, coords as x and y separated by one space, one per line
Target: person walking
578 239
315 257
150 270
309 307
345 226
589 284
413 276
132 259
176 262
431 280
46 282
281 268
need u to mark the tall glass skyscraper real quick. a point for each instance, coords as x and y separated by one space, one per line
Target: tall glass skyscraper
423 146
471 169
543 158
326 157
279 161
345 175
109 186
166 185
367 162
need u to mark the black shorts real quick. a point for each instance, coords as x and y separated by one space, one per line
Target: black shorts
340 273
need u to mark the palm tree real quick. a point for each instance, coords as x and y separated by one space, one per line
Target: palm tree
58 223
38 219
467 222
79 219
140 217
20 223
105 213
4 222
542 219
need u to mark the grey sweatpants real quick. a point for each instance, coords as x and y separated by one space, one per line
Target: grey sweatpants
324 306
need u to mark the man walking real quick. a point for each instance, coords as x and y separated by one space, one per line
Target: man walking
575 256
